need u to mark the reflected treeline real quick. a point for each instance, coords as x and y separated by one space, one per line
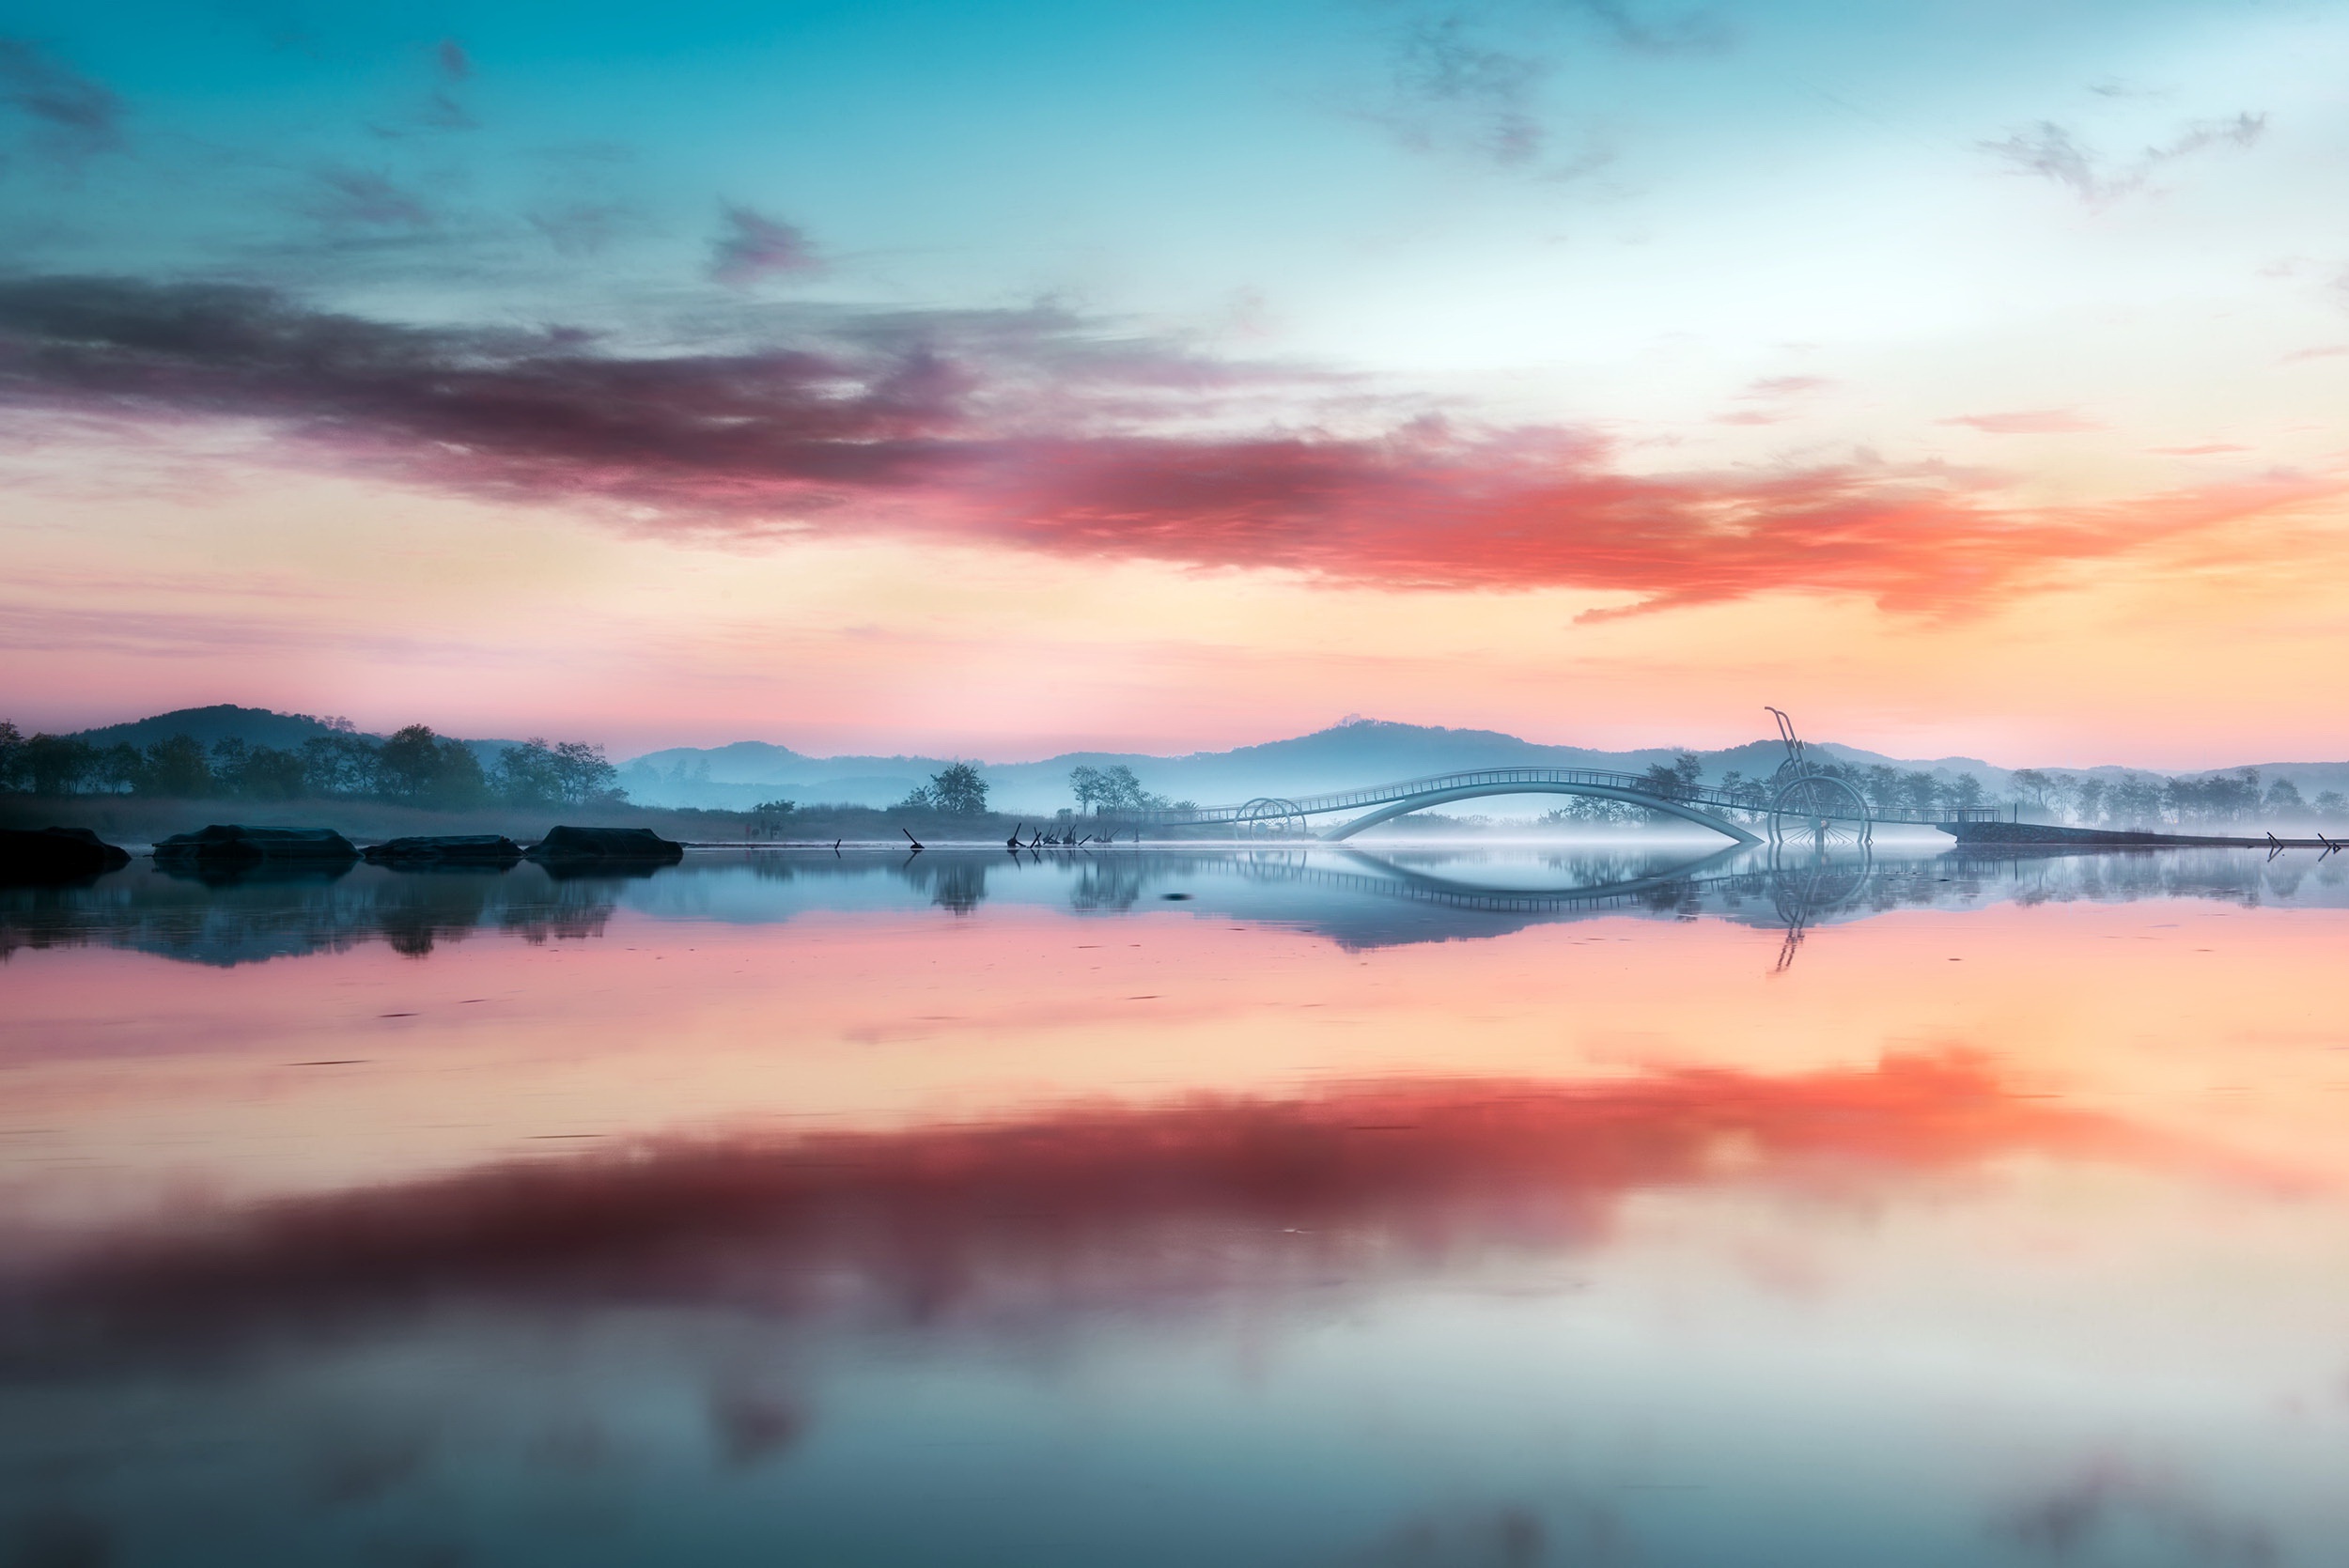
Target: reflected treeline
1092 1210
259 918
1354 898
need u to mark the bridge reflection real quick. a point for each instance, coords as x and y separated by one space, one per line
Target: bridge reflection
1355 898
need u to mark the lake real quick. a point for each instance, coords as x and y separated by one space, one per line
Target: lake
1507 1205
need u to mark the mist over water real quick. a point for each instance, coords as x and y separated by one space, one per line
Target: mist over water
1608 1201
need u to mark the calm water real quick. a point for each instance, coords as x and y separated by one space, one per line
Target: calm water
1502 1207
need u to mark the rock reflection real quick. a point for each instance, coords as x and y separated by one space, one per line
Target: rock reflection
250 920
1104 1210
1357 899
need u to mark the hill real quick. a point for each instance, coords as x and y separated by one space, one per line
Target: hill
1356 752
254 726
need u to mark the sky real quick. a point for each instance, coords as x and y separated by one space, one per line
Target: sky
997 380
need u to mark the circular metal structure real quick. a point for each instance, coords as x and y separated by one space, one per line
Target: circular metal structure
1267 813
1804 892
1820 808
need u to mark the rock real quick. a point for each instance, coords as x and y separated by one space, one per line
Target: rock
570 846
56 855
223 847
426 853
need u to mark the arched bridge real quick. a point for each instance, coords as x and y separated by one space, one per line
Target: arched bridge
1704 805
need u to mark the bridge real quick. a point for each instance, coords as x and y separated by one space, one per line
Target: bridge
1827 803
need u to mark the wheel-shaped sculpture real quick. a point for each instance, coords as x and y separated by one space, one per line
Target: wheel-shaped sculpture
1806 888
1269 813
1812 887
1820 809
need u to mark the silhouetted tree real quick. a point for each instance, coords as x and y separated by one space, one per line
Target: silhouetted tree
1676 778
2031 788
119 768
1921 792
1122 791
957 790
1086 783
421 768
1882 785
2137 801
340 764
56 764
175 769
570 773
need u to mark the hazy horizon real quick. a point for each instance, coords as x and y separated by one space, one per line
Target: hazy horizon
626 753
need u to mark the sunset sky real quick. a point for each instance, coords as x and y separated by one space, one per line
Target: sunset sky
1001 379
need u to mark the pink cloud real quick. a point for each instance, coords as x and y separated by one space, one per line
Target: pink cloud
1786 387
2028 421
989 430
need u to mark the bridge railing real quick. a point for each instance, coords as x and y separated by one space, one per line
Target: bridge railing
1753 800
1373 795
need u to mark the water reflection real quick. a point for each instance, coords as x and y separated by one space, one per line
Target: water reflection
1357 899
1118 1211
1467 1206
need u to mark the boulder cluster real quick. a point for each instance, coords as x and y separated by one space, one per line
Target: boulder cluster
60 855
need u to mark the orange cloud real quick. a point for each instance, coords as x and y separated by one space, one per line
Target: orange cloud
1018 431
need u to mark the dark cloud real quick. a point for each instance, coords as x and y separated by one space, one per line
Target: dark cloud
752 247
1473 77
442 110
1034 430
2049 151
582 228
75 116
364 198
1441 64
1694 32
1097 1209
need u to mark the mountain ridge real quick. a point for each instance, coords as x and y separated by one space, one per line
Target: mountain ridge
742 774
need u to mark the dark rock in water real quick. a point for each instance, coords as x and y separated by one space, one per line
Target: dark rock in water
221 846
573 845
469 850
51 855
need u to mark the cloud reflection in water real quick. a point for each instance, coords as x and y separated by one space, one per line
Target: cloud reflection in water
1095 1210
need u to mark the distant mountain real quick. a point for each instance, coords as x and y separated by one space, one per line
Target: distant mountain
254 726
736 777
1357 753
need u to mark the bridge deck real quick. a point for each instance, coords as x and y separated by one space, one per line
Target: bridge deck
1541 780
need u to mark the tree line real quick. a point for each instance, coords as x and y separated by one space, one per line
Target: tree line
2134 800
415 766
1115 789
